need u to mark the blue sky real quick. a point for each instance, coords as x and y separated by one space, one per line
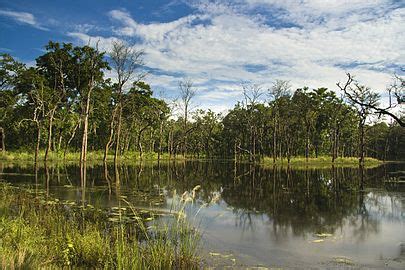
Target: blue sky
220 44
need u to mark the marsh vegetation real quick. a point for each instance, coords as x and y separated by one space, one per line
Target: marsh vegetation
40 231
240 215
104 173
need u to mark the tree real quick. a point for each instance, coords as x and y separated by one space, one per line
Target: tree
364 101
305 107
396 90
142 110
87 72
208 127
187 93
252 94
125 61
55 66
280 89
37 96
9 71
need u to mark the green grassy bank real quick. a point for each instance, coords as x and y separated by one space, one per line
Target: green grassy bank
37 231
75 156
97 156
323 161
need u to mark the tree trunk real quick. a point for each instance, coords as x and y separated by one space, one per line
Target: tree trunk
307 144
70 139
152 142
160 140
235 152
361 154
117 141
288 149
184 150
48 148
83 156
3 139
254 145
275 140
60 140
334 145
140 142
38 142
110 138
169 144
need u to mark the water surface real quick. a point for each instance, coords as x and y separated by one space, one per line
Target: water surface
330 218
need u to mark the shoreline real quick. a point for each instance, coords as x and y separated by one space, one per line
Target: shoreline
96 157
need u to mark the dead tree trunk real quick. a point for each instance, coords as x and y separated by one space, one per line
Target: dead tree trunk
48 148
110 138
83 155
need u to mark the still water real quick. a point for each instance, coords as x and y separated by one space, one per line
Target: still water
253 216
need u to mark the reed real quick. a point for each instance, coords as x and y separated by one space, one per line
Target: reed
37 231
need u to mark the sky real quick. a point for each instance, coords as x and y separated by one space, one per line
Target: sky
220 45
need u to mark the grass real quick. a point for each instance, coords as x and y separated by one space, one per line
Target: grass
323 161
91 156
40 232
97 156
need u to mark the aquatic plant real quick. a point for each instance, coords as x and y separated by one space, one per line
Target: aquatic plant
40 232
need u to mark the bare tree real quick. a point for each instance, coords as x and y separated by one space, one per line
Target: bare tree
125 61
187 93
279 89
364 100
396 90
252 94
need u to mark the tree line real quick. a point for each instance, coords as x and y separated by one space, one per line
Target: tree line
67 103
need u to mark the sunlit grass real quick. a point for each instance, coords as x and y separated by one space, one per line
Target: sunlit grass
91 156
40 232
322 161
96 157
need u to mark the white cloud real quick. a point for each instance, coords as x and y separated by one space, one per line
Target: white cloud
103 43
149 32
221 39
321 6
22 17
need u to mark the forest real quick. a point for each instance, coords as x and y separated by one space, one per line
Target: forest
66 104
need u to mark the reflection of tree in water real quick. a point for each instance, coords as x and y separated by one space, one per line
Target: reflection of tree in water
294 201
387 205
303 201
372 208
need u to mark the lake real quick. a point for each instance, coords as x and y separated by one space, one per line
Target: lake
250 215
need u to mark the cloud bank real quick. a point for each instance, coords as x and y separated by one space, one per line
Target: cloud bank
309 42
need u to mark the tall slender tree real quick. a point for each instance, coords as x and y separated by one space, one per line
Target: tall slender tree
125 61
87 72
187 94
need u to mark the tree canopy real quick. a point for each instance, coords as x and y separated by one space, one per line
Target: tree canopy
66 103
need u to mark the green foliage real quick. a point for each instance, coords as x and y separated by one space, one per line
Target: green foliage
46 106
